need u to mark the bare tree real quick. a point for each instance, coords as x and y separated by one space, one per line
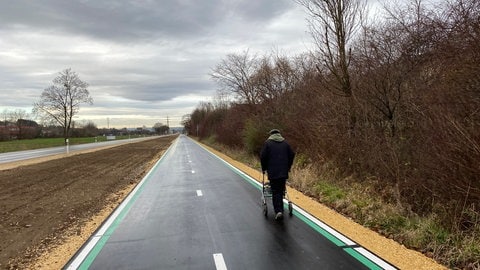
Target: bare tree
61 101
161 128
16 116
384 74
186 122
6 122
88 128
275 75
234 75
333 23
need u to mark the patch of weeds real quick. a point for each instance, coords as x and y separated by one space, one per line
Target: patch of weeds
360 203
302 160
425 233
358 208
433 232
464 251
393 223
385 220
211 140
303 179
470 254
329 192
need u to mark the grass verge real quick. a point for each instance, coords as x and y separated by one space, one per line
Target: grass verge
20 145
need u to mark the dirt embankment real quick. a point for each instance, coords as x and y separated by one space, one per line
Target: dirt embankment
45 203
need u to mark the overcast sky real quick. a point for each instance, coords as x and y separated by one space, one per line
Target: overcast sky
144 60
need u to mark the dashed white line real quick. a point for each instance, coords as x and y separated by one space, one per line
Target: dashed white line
219 261
199 193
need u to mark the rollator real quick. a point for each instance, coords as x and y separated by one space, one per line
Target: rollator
267 193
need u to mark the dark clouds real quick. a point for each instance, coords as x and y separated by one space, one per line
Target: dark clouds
135 21
145 57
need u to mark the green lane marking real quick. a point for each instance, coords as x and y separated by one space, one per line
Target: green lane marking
362 259
104 238
314 226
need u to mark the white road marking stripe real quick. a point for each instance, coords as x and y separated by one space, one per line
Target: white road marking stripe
219 261
324 226
199 193
374 258
193 171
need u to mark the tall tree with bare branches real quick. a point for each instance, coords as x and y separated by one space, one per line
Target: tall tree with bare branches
333 23
234 74
61 101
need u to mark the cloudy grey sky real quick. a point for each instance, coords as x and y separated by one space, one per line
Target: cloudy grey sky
144 60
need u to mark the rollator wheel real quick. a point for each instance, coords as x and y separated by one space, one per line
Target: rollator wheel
290 208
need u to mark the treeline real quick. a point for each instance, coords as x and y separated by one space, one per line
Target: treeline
28 129
17 126
402 107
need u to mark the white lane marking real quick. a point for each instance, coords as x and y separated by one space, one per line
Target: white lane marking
219 261
372 257
193 171
324 226
199 193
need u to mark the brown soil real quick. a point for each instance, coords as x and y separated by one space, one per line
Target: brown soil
48 210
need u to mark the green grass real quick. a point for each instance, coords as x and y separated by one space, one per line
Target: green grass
20 145
329 192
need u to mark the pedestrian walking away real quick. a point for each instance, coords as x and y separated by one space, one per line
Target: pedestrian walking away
276 158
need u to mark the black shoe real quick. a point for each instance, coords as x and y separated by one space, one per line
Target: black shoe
279 216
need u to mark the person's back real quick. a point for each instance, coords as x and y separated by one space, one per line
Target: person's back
276 159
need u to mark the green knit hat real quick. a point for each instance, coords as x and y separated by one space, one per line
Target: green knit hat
274 131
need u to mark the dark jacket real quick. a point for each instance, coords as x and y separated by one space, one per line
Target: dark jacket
276 157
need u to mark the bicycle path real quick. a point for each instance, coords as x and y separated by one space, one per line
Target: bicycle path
194 211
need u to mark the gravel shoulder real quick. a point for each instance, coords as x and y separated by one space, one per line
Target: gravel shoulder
50 208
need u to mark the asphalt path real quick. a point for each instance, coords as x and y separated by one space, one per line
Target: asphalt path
30 154
194 211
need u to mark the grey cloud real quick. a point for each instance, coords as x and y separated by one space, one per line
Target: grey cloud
262 10
139 56
131 21
158 91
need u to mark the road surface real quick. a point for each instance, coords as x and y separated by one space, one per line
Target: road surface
43 152
194 211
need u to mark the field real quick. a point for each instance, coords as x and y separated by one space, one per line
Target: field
19 145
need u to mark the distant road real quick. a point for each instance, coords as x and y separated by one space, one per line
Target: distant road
38 153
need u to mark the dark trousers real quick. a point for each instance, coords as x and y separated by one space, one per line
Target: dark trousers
278 190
